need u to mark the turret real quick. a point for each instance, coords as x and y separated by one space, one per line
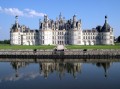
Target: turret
105 33
45 18
40 24
46 21
16 21
15 26
74 18
60 16
74 21
79 24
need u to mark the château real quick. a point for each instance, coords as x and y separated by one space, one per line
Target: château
61 32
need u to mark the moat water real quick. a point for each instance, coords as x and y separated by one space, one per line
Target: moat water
53 74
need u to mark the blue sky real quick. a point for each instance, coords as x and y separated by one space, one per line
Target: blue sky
91 12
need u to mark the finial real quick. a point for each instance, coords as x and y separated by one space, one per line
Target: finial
106 17
16 17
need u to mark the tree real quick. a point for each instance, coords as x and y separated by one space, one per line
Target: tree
5 42
118 39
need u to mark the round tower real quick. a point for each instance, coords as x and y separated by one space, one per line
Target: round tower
105 33
14 32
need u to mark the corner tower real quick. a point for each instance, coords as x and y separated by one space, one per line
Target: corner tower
14 32
107 37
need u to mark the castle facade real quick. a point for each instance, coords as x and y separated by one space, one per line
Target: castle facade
61 32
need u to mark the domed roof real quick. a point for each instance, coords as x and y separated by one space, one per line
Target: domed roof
99 28
15 26
106 27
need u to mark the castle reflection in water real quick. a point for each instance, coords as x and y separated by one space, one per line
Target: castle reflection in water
61 67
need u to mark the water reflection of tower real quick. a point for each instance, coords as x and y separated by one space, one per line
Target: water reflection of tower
105 65
73 68
60 68
46 68
17 65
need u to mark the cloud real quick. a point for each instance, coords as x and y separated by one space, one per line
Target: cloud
25 12
27 76
13 11
32 13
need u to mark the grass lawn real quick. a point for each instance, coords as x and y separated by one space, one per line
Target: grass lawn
93 47
17 47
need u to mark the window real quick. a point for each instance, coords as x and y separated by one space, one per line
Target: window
88 37
111 37
83 37
60 33
43 41
111 42
79 42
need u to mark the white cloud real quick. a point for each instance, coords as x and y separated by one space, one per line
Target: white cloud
25 12
32 13
13 11
25 76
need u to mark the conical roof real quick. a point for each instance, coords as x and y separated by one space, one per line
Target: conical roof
106 27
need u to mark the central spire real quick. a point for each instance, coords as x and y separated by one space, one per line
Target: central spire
60 16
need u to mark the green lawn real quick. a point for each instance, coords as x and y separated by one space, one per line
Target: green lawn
93 47
17 47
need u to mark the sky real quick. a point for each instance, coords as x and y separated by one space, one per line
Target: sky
91 13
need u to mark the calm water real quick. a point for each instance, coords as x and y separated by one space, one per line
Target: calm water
52 74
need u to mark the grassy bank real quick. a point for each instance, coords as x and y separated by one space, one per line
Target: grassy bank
93 47
22 47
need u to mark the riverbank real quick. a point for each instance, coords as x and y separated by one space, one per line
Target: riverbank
62 54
